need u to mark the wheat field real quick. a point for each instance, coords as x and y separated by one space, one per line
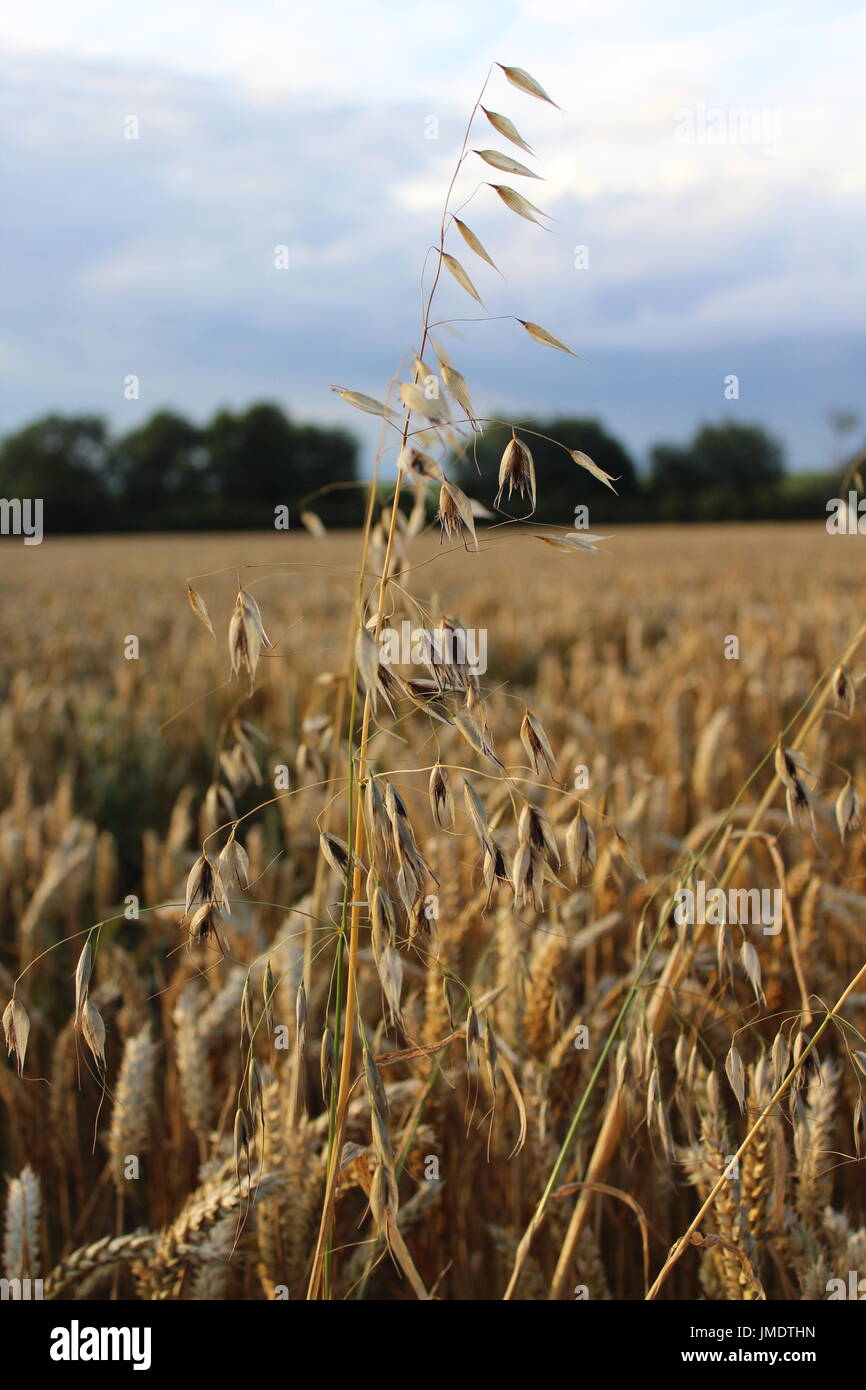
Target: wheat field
170 1120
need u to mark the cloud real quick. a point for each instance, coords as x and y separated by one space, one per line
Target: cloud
718 241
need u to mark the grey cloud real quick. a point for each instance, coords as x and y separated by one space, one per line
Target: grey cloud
155 257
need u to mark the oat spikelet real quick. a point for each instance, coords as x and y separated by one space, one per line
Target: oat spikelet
199 607
16 1026
517 472
455 516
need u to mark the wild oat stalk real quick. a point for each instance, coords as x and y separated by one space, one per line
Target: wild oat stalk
455 516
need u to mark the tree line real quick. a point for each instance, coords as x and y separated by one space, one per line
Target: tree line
235 471
171 474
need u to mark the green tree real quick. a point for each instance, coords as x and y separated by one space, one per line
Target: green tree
158 466
250 454
64 461
261 459
743 457
726 471
674 468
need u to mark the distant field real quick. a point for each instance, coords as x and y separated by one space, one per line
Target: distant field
704 572
105 765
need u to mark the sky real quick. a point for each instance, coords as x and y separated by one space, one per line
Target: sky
710 160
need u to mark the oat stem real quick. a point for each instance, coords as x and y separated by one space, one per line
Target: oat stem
357 845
